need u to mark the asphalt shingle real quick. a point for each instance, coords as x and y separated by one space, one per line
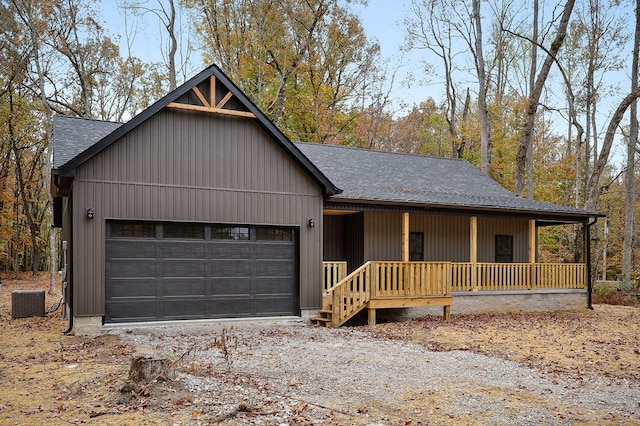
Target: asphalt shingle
73 135
407 178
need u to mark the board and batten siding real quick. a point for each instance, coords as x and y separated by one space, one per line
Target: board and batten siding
488 228
193 167
446 237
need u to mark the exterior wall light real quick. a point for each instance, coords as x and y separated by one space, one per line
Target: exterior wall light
311 223
89 213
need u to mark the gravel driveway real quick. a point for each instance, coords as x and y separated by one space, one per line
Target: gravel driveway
287 372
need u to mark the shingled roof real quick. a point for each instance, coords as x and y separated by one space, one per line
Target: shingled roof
74 135
430 182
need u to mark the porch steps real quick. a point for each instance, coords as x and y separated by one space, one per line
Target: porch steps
324 318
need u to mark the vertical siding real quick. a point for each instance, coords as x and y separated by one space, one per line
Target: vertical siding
488 228
383 236
446 238
185 166
354 240
333 238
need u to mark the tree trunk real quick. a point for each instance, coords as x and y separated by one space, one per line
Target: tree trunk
532 80
534 99
485 129
627 246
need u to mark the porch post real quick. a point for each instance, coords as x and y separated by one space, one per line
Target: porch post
473 251
532 253
405 236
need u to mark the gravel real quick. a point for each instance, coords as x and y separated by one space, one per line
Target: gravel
287 372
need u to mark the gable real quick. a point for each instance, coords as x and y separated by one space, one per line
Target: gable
210 93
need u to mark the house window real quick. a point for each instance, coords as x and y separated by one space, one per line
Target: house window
416 246
274 234
184 231
133 230
504 249
230 233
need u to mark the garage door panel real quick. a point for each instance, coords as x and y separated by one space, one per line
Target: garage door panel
139 310
131 288
183 309
183 268
132 268
190 250
274 306
274 268
230 250
183 287
231 268
229 307
282 286
231 286
132 249
274 251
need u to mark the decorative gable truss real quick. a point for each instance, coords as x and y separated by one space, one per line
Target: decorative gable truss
210 105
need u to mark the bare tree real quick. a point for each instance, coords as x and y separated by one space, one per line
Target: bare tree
632 143
165 11
534 99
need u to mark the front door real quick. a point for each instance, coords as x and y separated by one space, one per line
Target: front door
416 246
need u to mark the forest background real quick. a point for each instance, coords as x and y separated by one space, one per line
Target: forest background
541 95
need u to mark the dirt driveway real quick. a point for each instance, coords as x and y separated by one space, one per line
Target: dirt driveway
562 368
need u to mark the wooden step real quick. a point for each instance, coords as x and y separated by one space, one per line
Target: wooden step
323 318
321 321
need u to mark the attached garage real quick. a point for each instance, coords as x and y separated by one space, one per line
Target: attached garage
171 271
197 208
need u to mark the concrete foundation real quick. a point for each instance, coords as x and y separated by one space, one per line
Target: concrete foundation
498 301
87 326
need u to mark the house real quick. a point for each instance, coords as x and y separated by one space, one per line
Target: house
200 208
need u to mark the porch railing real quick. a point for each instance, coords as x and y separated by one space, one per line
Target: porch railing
465 276
517 276
333 273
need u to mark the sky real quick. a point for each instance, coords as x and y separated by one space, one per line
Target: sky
382 21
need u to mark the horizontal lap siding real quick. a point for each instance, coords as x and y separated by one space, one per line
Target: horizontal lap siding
185 166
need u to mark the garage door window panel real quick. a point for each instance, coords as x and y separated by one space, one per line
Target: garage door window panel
132 230
237 233
184 231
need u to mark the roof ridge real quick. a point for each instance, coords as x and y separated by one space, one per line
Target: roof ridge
355 148
97 120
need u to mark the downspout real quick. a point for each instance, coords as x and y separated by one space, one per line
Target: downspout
69 282
70 329
588 254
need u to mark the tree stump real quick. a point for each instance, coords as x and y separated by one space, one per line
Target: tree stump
146 369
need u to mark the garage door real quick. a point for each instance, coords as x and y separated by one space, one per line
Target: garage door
170 271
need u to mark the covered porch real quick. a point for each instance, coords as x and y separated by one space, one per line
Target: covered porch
476 254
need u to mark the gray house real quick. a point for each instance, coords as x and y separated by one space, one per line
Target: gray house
200 208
